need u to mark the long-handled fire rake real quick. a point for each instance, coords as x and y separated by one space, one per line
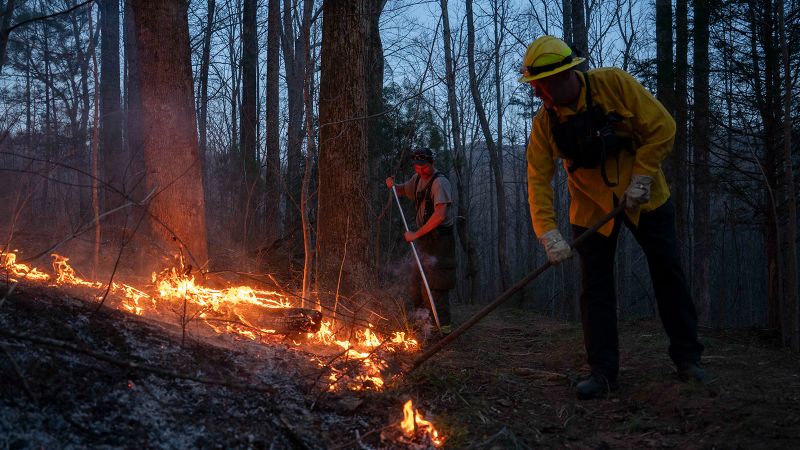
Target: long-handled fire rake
419 263
508 293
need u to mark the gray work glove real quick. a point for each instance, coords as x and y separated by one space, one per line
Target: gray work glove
556 247
638 192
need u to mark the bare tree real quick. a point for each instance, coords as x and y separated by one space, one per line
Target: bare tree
665 67
343 233
293 42
114 156
6 14
791 305
272 102
133 136
168 124
205 61
494 157
701 138
249 188
680 170
580 34
459 158
374 74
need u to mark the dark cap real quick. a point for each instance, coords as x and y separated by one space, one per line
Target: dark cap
421 155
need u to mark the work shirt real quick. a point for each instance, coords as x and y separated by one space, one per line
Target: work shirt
441 192
644 120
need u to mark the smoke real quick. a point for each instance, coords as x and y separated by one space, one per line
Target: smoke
402 275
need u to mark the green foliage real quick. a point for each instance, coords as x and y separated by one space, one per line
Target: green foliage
407 123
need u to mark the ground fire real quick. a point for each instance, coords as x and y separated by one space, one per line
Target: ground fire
355 363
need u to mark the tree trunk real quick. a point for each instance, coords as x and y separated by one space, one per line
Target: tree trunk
49 114
235 85
5 23
459 159
96 145
566 19
294 64
374 74
305 197
272 101
134 140
114 157
791 306
764 81
680 164
494 157
580 35
249 188
343 159
171 152
205 62
665 69
702 203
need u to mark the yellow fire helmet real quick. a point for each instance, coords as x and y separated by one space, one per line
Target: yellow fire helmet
547 55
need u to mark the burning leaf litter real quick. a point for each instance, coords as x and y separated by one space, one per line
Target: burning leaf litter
356 366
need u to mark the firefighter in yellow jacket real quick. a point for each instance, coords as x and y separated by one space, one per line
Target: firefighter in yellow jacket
611 135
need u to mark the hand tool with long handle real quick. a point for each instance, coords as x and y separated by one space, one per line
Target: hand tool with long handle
419 263
508 293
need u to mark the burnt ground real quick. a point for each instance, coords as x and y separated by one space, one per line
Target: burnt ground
506 384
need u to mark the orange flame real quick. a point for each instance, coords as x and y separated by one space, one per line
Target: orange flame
174 288
413 422
8 261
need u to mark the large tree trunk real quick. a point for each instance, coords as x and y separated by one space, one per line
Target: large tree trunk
343 159
702 204
494 157
374 74
665 69
114 157
680 164
459 158
249 188
133 104
272 101
171 153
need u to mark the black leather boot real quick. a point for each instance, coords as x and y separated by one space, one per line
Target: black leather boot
690 371
595 385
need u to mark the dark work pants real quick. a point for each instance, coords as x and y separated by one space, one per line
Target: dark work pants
656 235
420 298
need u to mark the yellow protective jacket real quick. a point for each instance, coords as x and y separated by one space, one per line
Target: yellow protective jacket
645 121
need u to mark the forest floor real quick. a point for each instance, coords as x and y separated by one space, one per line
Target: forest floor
506 384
